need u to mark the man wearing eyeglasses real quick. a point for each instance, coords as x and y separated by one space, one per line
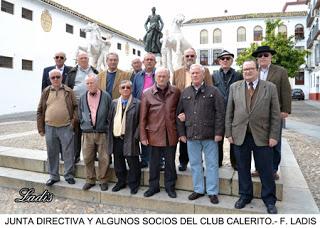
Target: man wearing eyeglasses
278 76
56 118
124 138
59 58
252 125
223 78
182 79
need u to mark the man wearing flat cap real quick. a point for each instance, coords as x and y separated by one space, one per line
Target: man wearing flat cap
278 76
222 79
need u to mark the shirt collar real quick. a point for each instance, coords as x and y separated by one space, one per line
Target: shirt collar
255 83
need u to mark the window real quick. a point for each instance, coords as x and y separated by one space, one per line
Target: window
203 36
139 53
299 32
133 51
239 51
317 54
119 46
217 36
283 30
26 64
7 7
69 28
204 57
299 78
84 35
241 34
26 14
257 33
215 53
6 62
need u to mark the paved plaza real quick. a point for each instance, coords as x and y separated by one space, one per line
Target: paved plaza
302 132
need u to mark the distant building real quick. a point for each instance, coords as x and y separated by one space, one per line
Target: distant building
209 36
31 32
313 44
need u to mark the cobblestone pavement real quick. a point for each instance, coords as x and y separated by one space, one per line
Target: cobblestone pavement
305 148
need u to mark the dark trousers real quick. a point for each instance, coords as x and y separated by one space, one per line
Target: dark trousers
183 153
145 154
277 151
170 174
263 158
232 157
77 141
134 172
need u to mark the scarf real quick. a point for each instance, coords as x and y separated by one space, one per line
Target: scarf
119 122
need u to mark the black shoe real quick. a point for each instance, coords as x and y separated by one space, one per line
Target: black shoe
182 167
87 186
151 192
77 160
271 209
50 182
241 203
134 191
118 187
143 165
104 186
214 199
162 168
195 195
71 181
172 194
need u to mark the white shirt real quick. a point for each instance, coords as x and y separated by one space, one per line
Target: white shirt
264 73
255 83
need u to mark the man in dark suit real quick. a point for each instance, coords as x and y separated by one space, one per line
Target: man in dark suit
278 76
252 124
59 58
223 78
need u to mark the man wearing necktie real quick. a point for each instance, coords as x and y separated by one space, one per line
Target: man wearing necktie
252 124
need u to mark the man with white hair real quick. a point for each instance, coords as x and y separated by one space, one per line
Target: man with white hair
94 107
136 68
158 130
56 118
202 129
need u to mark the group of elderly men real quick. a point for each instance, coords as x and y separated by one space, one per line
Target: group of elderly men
196 109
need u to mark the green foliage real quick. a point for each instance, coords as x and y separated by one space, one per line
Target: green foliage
287 55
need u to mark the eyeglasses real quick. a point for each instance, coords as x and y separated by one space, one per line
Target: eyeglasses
264 55
189 56
249 69
225 58
59 57
55 77
125 87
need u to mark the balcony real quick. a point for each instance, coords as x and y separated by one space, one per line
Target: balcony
311 15
310 18
315 31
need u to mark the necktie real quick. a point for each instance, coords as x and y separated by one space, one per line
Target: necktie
251 89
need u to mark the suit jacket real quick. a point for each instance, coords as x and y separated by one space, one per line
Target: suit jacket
120 76
45 75
179 78
279 76
70 80
138 83
264 117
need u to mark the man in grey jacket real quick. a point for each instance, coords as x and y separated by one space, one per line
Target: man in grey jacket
94 108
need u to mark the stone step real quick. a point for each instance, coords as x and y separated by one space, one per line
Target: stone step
35 160
160 202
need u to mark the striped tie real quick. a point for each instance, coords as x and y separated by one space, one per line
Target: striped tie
251 89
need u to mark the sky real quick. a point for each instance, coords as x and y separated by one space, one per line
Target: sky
129 16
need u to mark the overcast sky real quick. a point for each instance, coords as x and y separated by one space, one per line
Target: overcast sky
129 16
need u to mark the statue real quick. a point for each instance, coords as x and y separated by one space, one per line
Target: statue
152 38
174 42
97 47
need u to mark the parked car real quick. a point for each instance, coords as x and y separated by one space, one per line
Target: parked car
297 94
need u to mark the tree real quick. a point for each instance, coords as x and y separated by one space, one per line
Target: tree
287 55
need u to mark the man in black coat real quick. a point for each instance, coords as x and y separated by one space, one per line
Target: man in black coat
222 79
59 58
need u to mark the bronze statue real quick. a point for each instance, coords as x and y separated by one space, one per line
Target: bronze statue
152 38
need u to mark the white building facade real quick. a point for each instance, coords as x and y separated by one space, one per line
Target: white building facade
313 44
31 32
209 36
